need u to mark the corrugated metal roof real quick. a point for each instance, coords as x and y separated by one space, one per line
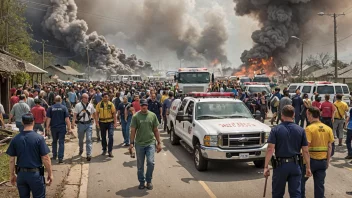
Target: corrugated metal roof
9 63
347 72
30 68
323 72
67 70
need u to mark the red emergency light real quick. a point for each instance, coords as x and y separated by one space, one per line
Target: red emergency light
253 83
324 83
211 94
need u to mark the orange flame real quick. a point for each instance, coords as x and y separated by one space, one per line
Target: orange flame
257 66
214 62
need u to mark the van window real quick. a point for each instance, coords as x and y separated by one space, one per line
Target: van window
338 90
306 89
345 90
325 89
292 89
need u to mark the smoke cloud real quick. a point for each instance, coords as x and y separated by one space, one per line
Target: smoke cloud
281 19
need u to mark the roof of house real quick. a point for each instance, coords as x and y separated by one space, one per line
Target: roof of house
66 70
345 72
30 68
9 63
323 72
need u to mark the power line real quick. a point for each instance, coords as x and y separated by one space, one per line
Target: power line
347 9
50 45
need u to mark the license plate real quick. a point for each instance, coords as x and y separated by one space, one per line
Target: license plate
244 155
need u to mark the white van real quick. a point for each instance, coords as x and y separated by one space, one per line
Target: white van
321 88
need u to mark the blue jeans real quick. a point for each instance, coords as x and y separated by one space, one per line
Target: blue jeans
58 134
287 172
348 142
126 130
142 152
87 130
107 127
318 168
20 126
30 182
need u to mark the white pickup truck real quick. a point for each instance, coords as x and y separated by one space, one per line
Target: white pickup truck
212 127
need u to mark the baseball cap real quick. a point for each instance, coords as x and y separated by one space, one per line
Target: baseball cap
27 118
143 102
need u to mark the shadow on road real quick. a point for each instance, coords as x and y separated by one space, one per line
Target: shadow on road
218 171
132 192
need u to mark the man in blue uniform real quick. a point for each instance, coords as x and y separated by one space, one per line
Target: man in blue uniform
155 107
287 140
297 103
57 120
31 152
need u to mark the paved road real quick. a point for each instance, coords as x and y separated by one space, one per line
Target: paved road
176 176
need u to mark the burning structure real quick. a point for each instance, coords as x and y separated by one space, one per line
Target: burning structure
257 66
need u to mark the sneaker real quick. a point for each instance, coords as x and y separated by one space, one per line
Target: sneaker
80 153
149 186
141 186
104 153
348 157
110 154
340 145
61 161
349 193
53 158
89 158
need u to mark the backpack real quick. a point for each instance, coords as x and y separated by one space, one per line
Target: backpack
79 116
275 101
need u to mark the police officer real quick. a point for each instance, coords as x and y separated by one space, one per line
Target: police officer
320 138
84 113
287 139
31 152
57 121
106 113
155 107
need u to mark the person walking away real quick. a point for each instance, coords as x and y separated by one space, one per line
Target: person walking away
316 103
125 120
274 103
166 108
306 104
320 139
297 103
97 97
164 97
327 113
18 110
285 100
348 126
72 97
51 97
39 114
83 115
144 131
287 139
117 100
106 112
57 122
155 107
29 100
339 118
31 152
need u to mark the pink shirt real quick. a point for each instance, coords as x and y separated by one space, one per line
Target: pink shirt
316 104
326 109
136 105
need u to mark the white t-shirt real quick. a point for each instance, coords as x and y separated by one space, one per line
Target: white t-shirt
79 111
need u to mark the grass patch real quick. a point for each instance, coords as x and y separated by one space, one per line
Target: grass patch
4 164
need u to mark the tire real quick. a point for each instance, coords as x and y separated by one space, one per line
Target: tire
174 139
259 163
200 162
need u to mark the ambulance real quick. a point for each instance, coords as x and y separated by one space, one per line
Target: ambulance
192 79
215 126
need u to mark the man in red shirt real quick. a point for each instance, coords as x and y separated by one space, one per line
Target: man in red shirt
136 105
39 115
14 99
316 103
327 110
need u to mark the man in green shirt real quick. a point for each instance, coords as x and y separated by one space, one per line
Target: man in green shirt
144 131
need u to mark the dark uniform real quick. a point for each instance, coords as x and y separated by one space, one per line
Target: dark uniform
29 147
58 113
288 139
154 106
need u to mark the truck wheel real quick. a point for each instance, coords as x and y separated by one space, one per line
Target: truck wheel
200 162
174 139
259 163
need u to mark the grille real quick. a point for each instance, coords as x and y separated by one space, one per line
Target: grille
242 140
193 89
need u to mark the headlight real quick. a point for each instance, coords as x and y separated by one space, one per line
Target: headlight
265 137
210 140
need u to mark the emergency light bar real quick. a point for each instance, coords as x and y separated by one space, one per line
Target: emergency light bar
324 82
211 94
253 83
192 69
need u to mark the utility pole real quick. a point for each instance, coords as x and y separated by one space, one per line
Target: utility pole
335 37
88 63
43 45
7 25
302 62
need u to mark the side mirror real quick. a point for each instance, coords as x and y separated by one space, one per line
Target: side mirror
181 117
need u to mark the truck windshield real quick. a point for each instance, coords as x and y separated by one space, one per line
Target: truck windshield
194 77
243 80
221 110
325 89
261 79
258 89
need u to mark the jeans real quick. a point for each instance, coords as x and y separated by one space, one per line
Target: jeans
318 168
28 182
38 127
20 126
107 128
87 130
126 130
143 152
348 141
328 121
287 172
165 122
58 134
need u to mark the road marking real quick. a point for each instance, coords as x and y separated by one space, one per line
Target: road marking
83 191
207 189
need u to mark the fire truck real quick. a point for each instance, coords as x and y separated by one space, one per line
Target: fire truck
193 79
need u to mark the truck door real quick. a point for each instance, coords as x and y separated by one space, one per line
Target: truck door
188 126
179 125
